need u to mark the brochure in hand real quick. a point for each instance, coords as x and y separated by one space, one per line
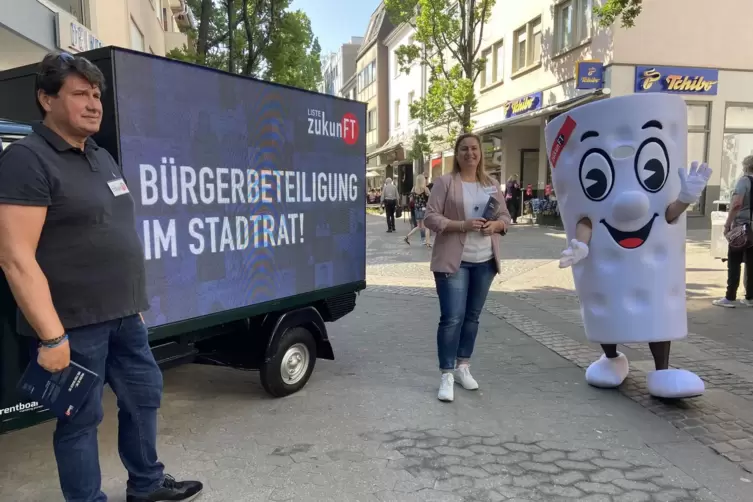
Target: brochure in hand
62 393
492 209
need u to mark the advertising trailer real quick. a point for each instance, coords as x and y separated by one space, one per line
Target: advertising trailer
250 205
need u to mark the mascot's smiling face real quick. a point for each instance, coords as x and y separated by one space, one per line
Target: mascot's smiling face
616 162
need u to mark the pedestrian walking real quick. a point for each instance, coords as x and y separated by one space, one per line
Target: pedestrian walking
513 197
465 257
420 196
739 222
389 201
74 262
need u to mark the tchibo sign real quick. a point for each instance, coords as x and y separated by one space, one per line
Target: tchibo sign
20 407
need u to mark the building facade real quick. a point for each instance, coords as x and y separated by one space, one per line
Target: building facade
543 57
31 28
339 66
372 73
403 88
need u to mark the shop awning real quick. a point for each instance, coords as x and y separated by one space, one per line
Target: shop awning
390 145
393 143
555 108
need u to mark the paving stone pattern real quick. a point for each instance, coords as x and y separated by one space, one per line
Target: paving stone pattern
725 434
451 466
713 375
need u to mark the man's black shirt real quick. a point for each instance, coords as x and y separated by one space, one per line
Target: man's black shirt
89 250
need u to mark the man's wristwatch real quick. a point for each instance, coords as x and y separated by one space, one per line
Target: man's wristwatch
53 342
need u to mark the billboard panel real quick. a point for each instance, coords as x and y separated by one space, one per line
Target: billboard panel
245 192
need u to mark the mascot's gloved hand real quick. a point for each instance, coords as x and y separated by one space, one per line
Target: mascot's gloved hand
573 254
692 183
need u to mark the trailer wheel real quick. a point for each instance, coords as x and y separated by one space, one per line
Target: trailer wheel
290 368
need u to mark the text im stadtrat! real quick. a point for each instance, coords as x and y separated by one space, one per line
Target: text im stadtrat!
176 185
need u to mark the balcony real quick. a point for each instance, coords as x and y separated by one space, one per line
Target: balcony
182 14
175 40
177 6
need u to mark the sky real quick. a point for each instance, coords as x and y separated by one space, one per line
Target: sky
335 21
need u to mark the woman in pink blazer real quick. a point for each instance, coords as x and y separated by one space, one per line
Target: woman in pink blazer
465 257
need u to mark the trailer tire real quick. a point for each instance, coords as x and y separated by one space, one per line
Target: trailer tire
290 368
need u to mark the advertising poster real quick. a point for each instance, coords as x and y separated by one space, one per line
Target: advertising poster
245 192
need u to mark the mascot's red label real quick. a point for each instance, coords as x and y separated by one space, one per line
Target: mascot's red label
563 136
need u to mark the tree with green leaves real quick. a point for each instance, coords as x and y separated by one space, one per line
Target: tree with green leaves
256 38
447 42
626 10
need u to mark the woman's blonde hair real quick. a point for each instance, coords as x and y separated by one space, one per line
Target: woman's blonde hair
481 175
512 177
420 185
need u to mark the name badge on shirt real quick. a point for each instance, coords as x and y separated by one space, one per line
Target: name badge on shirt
490 190
118 187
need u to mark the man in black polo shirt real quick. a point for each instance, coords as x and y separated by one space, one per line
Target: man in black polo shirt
73 260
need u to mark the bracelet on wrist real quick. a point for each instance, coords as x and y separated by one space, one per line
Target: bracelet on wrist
55 342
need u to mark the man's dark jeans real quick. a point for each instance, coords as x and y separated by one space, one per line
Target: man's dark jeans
118 351
735 259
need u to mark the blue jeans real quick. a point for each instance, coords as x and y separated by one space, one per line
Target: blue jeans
461 298
118 351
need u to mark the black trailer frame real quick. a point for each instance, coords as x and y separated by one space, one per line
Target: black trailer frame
295 323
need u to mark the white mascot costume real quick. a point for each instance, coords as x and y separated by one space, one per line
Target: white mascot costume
618 168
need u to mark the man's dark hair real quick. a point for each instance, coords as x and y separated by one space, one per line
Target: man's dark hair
57 66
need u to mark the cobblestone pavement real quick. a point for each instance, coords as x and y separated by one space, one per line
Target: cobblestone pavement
717 349
368 427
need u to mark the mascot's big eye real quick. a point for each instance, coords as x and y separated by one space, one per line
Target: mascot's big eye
652 165
596 174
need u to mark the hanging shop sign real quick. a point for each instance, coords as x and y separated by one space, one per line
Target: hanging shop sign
676 80
522 105
589 74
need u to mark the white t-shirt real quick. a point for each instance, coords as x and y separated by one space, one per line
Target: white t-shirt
478 247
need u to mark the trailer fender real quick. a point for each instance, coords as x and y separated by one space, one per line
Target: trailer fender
308 317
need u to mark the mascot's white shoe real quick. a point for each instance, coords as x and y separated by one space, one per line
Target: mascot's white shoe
674 384
608 373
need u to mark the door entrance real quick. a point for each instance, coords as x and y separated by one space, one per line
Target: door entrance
529 172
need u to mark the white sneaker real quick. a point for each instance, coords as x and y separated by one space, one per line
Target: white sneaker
447 388
463 375
746 303
723 302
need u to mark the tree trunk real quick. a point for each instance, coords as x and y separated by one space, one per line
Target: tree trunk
202 44
251 56
230 4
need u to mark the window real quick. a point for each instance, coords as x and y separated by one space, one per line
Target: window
494 65
499 61
397 113
137 38
371 120
698 139
527 45
572 26
74 8
738 144
411 97
367 77
487 74
396 62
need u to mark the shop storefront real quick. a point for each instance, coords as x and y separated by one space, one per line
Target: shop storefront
27 32
720 119
514 145
32 28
